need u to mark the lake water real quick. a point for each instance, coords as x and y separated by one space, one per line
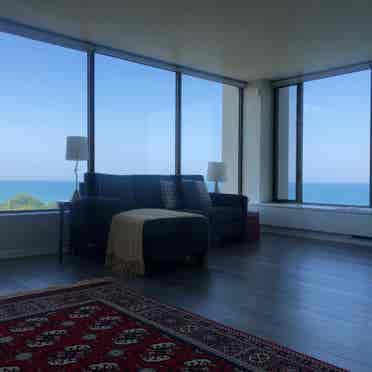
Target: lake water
45 191
328 193
336 193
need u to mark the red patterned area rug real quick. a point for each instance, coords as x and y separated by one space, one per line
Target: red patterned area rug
104 326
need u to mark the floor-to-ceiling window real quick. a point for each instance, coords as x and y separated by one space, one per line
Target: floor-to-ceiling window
336 139
42 100
135 118
209 128
44 93
334 143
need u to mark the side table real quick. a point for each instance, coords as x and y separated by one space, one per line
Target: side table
252 233
64 206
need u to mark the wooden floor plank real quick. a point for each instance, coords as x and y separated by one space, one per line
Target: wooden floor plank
310 295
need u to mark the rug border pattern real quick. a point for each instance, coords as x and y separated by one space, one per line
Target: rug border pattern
92 288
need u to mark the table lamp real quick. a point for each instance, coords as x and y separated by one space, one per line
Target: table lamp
216 173
76 150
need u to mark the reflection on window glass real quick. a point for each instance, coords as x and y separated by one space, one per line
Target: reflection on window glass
210 128
43 100
286 166
135 115
336 140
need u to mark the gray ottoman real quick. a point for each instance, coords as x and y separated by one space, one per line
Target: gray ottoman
169 240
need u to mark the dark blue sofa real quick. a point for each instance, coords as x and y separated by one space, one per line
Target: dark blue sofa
105 195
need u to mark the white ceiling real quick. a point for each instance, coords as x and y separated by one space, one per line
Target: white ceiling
243 39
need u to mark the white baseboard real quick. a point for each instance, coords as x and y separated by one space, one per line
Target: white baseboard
345 222
317 235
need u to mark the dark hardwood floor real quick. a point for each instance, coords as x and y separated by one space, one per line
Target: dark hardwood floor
312 296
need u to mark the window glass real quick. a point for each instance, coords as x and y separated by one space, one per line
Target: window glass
210 129
135 118
336 140
43 100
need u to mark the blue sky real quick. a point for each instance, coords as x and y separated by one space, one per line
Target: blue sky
43 100
337 129
135 115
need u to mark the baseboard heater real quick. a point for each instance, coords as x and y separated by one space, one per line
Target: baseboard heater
321 235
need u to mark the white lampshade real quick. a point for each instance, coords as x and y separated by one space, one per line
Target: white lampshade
216 171
76 148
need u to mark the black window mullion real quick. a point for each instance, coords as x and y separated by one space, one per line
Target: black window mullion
370 141
91 109
240 135
275 145
178 119
299 142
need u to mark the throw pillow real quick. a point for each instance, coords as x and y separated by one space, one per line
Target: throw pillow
195 195
170 195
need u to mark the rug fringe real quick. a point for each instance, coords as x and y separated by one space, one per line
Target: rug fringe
125 267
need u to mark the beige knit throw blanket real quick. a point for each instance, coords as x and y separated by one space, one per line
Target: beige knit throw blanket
125 243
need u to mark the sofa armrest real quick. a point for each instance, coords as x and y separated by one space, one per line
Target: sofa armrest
230 200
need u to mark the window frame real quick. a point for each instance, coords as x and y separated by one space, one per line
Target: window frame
90 49
299 83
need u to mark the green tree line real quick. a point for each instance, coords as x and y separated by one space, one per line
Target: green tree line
25 201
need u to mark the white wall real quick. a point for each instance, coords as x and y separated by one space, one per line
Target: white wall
283 143
27 234
251 143
257 141
230 137
329 220
266 152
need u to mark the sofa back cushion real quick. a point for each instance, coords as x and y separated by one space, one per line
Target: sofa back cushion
195 195
138 191
171 194
112 186
147 191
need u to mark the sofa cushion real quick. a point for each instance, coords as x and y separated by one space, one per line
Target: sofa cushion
195 195
113 186
147 192
170 194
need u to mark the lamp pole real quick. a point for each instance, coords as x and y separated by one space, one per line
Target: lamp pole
76 176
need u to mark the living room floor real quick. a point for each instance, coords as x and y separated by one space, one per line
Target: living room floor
309 295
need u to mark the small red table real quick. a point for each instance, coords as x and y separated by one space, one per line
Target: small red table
252 233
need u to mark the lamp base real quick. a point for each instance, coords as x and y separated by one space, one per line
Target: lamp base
75 196
216 187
